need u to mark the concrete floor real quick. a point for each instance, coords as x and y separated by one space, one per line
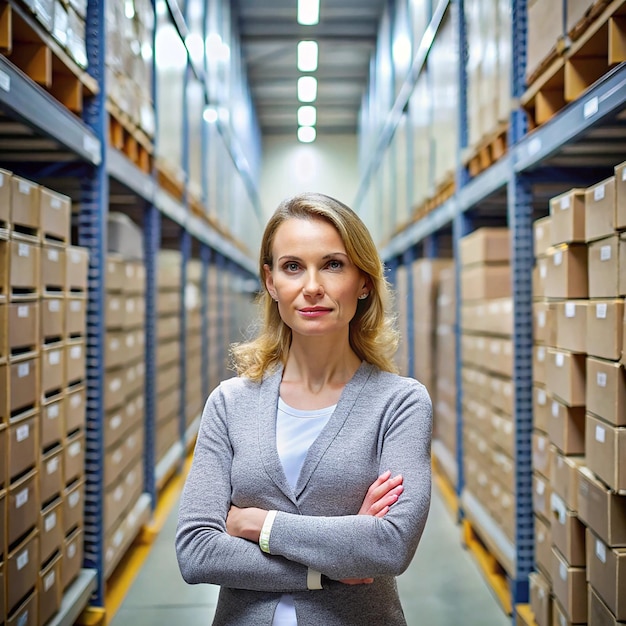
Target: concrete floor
442 587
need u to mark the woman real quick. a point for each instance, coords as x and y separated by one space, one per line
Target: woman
310 483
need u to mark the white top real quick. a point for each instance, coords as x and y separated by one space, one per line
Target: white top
296 430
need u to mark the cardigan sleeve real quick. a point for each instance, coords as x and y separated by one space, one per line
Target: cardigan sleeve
360 546
206 552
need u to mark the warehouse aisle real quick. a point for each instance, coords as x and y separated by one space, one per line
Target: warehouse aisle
442 584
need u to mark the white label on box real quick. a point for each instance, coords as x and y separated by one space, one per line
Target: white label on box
130 305
600 434
600 550
563 571
76 352
605 253
541 319
624 174
1 179
562 620
541 397
543 271
565 203
75 306
115 344
23 370
22 433
114 304
541 487
558 506
54 357
601 379
598 193
557 259
74 499
71 550
54 306
50 522
74 449
115 384
5 81
116 422
48 581
55 203
24 188
601 310
75 400
53 411
570 309
23 249
117 456
52 466
75 256
118 494
21 498
53 255
22 560
118 538
22 311
555 408
541 353
590 108
559 359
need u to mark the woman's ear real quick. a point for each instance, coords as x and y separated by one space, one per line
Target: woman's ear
269 281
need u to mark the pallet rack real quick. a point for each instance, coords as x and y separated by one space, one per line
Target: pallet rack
580 145
77 152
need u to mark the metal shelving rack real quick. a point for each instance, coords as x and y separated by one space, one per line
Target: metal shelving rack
555 152
78 151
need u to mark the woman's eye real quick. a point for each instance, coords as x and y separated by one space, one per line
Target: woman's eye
335 265
291 267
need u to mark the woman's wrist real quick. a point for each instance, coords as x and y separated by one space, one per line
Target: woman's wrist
266 529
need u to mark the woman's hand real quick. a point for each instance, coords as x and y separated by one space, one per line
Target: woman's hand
245 523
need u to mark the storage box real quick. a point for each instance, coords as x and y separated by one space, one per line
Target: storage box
568 217
77 265
568 533
52 319
620 196
135 281
567 273
115 311
485 282
74 457
605 448
540 371
73 506
545 29
604 271
605 323
4 472
544 323
20 327
52 423
541 495
52 369
540 276
51 475
49 590
22 448
566 427
607 574
600 210
3 599
22 507
599 613
23 384
541 409
26 613
76 409
56 214
569 587
25 211
571 325
53 268
606 390
601 509
5 201
50 531
565 477
72 558
565 376
24 269
3 529
486 245
75 360
540 598
76 317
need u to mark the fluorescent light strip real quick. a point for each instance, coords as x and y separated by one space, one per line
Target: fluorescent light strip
307 56
308 12
307 88
307 115
306 134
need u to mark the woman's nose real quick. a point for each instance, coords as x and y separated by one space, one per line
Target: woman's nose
312 285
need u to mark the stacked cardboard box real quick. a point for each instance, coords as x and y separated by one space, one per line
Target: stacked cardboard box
401 302
487 354
168 351
444 402
42 398
193 307
215 326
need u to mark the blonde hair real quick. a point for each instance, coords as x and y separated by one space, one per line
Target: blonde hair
373 335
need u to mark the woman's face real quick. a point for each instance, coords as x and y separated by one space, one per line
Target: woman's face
315 283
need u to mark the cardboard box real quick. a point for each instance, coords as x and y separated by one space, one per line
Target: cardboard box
76 317
77 266
49 590
4 473
565 376
566 427
486 245
52 319
599 613
50 531
135 281
22 444
600 210
607 574
74 457
76 409
605 448
24 268
115 273
53 268
72 557
559 616
5 198
544 327
26 613
604 270
542 235
20 327
541 496
567 273
115 310
620 196
545 29
485 282
541 409
52 369
606 390
75 361
621 279
3 528
135 312
569 587
568 217
73 506
25 211
565 477
540 598
568 533
605 324
540 276
51 475
51 424
56 215
601 509
114 349
169 303
24 384
22 507
3 600
571 325
540 372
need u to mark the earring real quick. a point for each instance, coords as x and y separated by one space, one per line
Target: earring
363 296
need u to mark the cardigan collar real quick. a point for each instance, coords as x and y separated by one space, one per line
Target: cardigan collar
268 407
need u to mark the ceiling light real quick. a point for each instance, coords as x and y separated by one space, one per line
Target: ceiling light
307 116
210 115
307 56
306 134
308 12
307 88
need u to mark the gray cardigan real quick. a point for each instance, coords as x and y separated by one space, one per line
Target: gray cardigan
382 421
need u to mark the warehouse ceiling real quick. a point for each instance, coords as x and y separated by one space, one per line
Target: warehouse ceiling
346 35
